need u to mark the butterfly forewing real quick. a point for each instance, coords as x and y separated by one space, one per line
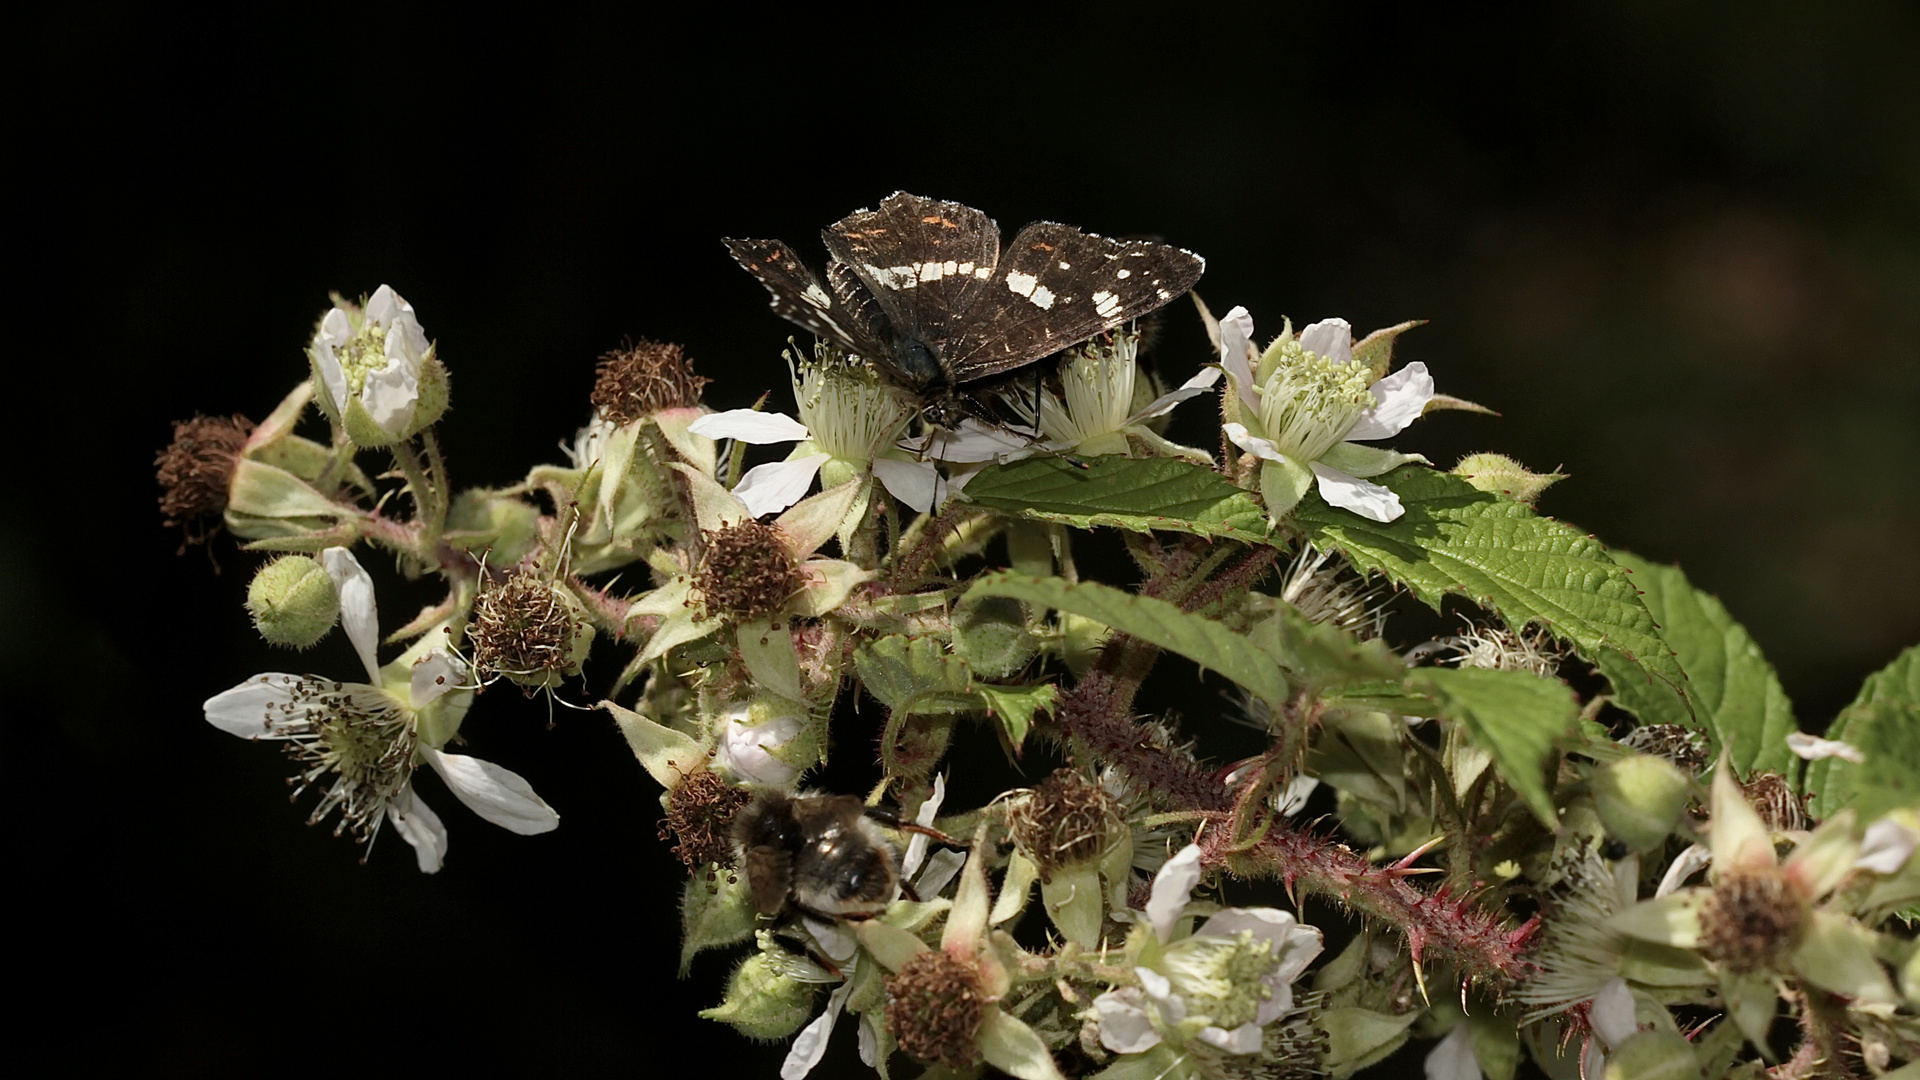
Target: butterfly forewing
925 261
799 298
1056 287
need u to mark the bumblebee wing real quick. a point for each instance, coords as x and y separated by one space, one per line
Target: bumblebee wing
769 873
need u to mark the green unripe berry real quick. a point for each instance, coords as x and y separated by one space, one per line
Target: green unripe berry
991 635
293 602
1640 798
1653 1055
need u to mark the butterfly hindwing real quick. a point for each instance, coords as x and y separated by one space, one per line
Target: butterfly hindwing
1056 287
925 261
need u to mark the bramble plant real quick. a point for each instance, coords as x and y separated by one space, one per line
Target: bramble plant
1654 875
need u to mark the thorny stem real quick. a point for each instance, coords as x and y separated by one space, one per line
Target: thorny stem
423 499
1097 715
930 540
608 612
442 498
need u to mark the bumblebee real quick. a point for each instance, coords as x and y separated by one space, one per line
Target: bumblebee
820 855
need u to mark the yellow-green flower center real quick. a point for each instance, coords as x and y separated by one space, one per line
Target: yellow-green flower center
1308 402
848 411
1221 977
362 354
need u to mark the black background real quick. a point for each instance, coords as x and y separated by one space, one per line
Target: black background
1679 250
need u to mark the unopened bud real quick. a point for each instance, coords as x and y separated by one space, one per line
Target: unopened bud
1502 475
293 602
1639 799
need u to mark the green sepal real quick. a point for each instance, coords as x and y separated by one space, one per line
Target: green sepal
714 914
1282 485
915 675
1074 902
1322 656
666 754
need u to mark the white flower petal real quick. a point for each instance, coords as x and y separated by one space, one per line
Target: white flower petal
419 826
1452 1057
1159 989
836 942
1299 790
1244 1039
975 442
917 846
771 488
1124 1026
1612 1013
869 1042
1886 847
811 1044
1192 388
496 793
1236 342
1369 500
335 328
1172 886
1398 400
256 709
390 393
1330 338
1265 449
359 616
750 426
912 482
433 675
1685 865
940 868
1812 748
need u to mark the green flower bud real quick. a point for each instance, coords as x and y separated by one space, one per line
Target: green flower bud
991 635
763 1003
1653 1055
1640 798
293 602
1500 474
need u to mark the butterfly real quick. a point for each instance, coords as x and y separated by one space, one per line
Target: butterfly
921 288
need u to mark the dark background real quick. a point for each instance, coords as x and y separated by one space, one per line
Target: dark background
1678 250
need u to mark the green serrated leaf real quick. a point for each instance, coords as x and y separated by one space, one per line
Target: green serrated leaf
1889 697
1199 639
1138 494
1455 538
1515 715
915 675
1014 706
714 914
1735 692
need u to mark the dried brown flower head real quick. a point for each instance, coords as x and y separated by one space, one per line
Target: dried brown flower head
1066 819
934 1008
195 470
1773 798
747 571
524 628
700 814
1753 919
645 378
1681 745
